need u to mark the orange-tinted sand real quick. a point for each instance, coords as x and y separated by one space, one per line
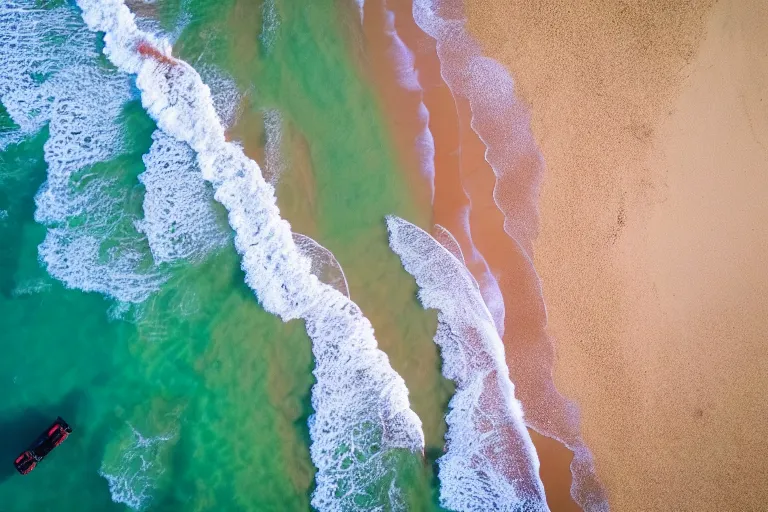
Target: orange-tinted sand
389 302
653 121
399 105
459 162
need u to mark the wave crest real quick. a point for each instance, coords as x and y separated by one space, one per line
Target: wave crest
490 462
359 401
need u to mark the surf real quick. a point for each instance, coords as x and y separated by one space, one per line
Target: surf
46 57
501 122
490 462
362 415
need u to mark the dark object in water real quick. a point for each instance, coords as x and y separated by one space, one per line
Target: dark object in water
47 441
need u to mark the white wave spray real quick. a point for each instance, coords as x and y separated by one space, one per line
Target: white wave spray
490 462
361 405
45 58
132 465
179 216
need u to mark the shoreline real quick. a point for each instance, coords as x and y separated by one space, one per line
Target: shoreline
460 163
652 126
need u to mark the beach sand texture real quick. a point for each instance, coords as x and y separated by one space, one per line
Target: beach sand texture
652 118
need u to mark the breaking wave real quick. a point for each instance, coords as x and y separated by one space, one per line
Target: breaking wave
502 123
490 462
362 415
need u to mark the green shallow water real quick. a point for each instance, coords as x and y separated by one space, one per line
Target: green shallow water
197 390
199 363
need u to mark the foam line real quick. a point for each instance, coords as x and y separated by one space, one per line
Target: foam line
360 403
498 118
490 462
273 131
489 285
408 78
502 123
324 264
226 96
45 59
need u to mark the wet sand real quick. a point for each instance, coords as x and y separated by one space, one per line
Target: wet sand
653 122
399 105
460 163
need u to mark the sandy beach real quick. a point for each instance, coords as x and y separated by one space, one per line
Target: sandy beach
653 123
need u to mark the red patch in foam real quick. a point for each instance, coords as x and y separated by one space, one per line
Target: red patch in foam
146 49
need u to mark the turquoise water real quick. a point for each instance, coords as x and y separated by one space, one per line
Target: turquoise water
197 363
153 296
195 398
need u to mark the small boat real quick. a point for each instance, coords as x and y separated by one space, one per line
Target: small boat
47 441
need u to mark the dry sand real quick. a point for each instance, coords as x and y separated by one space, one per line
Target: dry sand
653 121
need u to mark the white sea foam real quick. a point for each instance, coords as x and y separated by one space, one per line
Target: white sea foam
83 131
30 287
324 264
84 213
273 128
502 122
180 220
361 404
408 77
225 94
490 462
498 118
118 311
132 466
489 285
35 45
11 137
270 24
50 73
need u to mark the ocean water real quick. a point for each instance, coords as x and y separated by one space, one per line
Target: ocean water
124 306
209 355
